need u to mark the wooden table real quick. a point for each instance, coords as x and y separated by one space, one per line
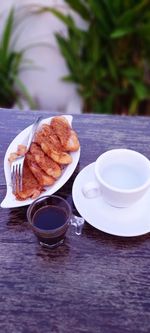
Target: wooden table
96 283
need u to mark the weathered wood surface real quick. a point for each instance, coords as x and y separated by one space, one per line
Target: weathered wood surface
95 283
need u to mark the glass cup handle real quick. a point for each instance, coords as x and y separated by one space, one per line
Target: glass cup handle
91 190
78 223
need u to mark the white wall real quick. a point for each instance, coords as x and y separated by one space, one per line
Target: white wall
45 84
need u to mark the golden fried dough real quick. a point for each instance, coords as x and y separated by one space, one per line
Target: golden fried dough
47 156
21 150
42 178
61 128
72 143
44 162
31 187
64 132
12 157
59 157
51 145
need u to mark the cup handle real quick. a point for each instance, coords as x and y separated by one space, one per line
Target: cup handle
78 223
91 190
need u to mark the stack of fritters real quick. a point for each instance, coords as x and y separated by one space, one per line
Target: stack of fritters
47 156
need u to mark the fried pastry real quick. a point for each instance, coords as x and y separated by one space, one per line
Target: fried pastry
47 156
44 162
51 145
64 132
12 157
21 151
42 178
72 143
30 186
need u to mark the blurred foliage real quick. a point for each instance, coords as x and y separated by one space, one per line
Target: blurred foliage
110 60
12 89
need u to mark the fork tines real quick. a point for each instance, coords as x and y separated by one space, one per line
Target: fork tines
17 164
17 175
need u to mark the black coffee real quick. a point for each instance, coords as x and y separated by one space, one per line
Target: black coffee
49 217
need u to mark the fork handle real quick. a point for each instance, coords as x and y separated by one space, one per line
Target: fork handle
33 130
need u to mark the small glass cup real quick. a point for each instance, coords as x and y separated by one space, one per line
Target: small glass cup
50 217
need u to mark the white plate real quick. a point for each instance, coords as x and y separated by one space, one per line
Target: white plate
127 222
10 201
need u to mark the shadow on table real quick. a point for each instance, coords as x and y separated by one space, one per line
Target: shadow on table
117 242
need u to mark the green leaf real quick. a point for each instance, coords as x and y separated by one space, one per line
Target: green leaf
112 67
65 50
132 72
11 62
67 19
121 32
133 108
99 16
133 12
80 7
109 12
6 36
94 45
141 90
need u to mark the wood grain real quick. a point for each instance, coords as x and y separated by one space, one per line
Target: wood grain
95 283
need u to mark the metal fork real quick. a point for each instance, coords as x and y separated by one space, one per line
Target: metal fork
17 165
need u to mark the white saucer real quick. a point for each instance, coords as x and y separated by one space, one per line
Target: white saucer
127 222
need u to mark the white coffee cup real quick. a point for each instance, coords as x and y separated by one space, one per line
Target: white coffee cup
122 177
